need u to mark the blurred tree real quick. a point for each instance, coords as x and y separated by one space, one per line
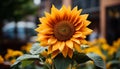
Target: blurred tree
16 9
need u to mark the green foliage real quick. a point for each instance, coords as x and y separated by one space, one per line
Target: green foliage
59 62
25 57
25 63
114 62
118 54
98 61
37 49
80 57
16 9
62 63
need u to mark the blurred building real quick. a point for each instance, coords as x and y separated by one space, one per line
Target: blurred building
104 15
110 19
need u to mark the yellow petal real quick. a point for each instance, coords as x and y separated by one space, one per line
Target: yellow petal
56 46
77 47
44 43
86 22
50 19
75 13
83 41
80 35
69 10
87 31
84 16
45 21
49 49
77 35
63 8
55 53
52 40
54 10
64 13
76 40
55 14
62 46
65 51
80 10
79 22
47 31
69 44
42 27
70 52
75 16
37 29
75 19
74 9
79 26
47 15
42 37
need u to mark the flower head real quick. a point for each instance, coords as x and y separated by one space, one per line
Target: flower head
63 30
12 54
26 47
1 59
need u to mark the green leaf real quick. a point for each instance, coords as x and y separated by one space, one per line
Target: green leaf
80 57
24 57
61 62
27 56
36 48
98 61
26 63
114 62
118 54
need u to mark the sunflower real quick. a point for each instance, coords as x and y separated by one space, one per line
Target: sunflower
1 59
12 54
63 30
26 47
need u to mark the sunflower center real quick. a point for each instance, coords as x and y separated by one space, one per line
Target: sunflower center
64 30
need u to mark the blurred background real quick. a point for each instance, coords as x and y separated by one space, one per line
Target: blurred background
19 18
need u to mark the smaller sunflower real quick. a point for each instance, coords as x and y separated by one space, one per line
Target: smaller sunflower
26 47
12 54
63 31
1 59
